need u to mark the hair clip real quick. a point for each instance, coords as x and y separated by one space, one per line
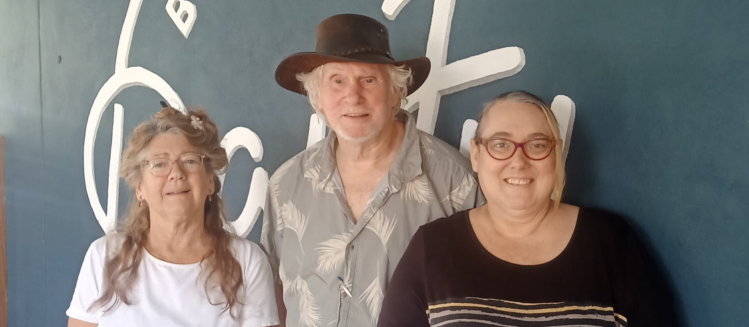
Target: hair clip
196 123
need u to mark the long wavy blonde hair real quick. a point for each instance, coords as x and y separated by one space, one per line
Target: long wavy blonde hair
121 268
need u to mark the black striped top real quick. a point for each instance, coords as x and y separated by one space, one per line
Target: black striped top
602 278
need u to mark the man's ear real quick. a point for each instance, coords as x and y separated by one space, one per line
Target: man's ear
395 101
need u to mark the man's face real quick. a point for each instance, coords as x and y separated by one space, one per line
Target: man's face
357 99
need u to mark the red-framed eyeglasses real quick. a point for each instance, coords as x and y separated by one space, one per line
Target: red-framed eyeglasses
503 149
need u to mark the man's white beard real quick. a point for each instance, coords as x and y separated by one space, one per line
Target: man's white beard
357 140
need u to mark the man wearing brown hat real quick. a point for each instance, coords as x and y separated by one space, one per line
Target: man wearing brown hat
341 213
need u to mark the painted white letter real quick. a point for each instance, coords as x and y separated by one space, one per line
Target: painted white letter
564 110
183 14
457 76
242 137
392 8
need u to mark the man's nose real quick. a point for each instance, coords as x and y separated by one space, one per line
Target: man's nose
353 92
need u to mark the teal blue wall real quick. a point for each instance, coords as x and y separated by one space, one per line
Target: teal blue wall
21 124
661 137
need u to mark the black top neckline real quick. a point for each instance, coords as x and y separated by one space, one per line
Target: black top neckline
474 240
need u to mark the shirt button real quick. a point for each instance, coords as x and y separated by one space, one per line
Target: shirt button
351 247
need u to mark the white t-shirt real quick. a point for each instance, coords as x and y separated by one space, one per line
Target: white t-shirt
167 294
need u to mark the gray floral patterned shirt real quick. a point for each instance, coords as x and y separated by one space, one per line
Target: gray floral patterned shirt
311 239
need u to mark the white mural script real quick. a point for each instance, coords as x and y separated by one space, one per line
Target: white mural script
465 73
183 13
443 79
457 76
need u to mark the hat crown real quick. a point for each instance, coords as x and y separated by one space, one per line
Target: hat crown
348 38
350 34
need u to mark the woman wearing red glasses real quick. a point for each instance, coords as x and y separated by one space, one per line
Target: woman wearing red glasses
525 258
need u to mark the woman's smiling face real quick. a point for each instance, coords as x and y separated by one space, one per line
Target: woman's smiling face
179 193
516 183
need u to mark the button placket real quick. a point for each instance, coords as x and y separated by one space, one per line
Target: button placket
350 258
344 299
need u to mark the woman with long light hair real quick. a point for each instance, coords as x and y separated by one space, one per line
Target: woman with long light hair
173 262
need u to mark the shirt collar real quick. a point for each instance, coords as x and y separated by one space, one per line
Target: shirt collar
406 165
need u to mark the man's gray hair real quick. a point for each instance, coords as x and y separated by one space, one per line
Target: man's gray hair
400 77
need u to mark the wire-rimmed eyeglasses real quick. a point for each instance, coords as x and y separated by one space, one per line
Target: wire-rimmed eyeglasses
161 166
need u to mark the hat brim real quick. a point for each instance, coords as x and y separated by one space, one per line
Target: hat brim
304 62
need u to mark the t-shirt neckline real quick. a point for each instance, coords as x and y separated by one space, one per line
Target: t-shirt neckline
170 264
492 258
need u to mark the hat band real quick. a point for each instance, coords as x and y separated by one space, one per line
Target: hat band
364 49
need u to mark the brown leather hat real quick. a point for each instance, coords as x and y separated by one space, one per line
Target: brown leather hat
348 38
